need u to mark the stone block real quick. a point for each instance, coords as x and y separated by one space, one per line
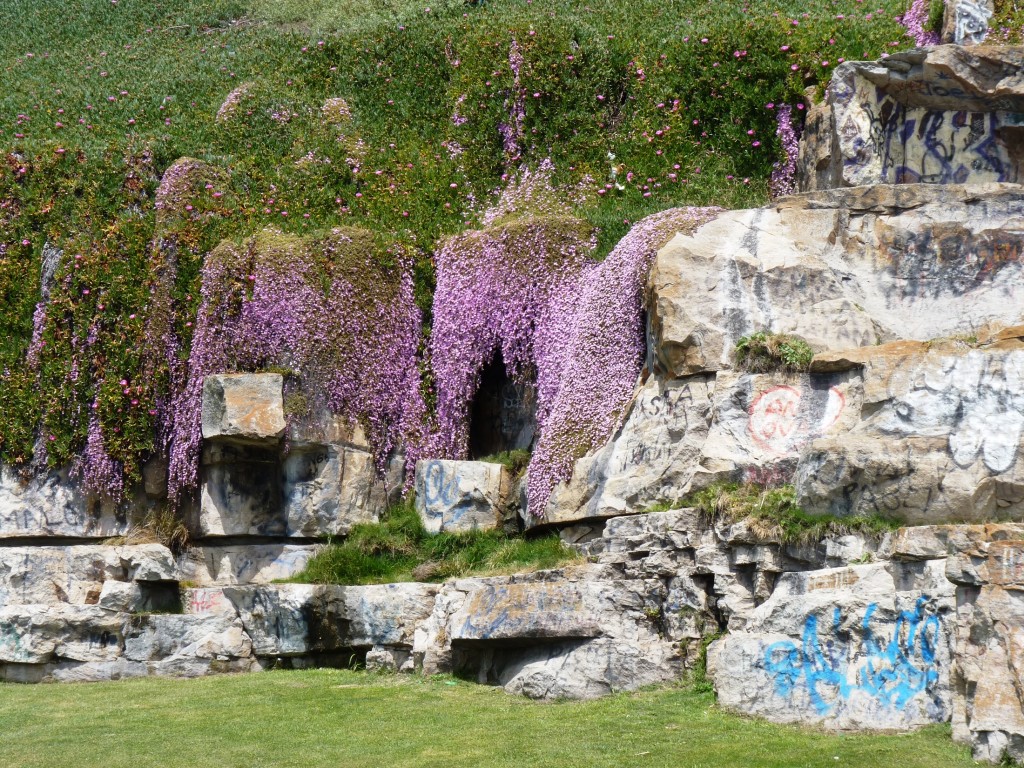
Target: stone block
243 407
848 648
51 504
456 496
888 116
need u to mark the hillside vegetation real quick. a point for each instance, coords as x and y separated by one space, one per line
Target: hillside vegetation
403 121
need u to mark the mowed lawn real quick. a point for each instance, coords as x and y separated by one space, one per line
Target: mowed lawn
341 718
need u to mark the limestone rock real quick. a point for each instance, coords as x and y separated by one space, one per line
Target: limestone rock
860 647
223 565
684 435
586 670
890 117
78 574
52 505
37 634
965 22
461 495
162 637
941 441
747 271
243 406
302 619
312 490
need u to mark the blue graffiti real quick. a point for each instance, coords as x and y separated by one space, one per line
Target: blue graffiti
892 670
439 488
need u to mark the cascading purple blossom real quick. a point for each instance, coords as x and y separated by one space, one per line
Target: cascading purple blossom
346 326
916 22
591 349
98 474
783 180
526 288
215 334
494 289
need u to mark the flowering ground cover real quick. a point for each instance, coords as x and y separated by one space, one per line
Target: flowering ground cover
391 135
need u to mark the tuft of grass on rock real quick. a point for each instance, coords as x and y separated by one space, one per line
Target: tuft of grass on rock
515 461
400 549
773 514
762 351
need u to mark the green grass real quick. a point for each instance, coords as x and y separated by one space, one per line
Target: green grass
339 718
515 461
773 514
763 351
400 549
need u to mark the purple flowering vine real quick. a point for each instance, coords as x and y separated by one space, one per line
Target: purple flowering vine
783 179
916 22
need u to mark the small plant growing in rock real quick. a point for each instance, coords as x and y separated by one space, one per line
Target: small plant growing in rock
763 351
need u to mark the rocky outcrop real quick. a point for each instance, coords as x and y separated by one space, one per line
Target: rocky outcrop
939 436
321 482
844 269
866 646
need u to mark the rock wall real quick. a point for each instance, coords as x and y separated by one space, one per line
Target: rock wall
912 409
905 429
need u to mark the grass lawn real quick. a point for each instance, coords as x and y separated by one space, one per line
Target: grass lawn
342 718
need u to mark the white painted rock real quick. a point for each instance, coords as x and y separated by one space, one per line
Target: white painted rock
458 496
940 439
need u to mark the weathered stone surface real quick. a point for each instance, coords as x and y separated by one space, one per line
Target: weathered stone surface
747 271
37 634
78 574
683 435
586 670
243 407
461 495
223 565
861 647
965 22
299 619
52 505
564 633
945 115
169 637
312 490
841 268
939 441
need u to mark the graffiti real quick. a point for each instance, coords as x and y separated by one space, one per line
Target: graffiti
439 486
770 476
947 259
884 140
782 419
970 22
977 399
203 601
890 670
546 611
